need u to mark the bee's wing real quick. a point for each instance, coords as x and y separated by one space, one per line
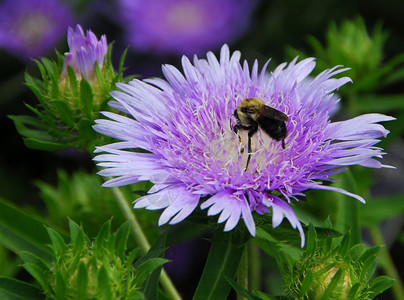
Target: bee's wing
273 113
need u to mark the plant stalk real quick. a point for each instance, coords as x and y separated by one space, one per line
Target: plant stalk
387 264
142 242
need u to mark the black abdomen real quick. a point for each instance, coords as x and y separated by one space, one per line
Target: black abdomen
274 128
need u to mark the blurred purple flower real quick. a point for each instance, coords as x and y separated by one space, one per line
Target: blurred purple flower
29 28
184 26
185 125
84 52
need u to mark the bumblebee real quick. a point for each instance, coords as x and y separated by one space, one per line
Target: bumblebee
252 113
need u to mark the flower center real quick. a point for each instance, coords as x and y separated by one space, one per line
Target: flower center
230 148
184 17
32 28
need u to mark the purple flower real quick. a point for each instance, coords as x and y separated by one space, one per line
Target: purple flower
29 28
184 26
185 124
84 52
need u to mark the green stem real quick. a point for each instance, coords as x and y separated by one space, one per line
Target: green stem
142 241
254 265
242 272
387 264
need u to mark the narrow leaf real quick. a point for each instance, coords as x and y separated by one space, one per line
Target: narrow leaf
12 289
87 98
82 282
380 284
27 234
104 284
223 260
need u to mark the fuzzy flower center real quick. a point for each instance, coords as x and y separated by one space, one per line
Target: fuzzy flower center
230 148
32 28
184 17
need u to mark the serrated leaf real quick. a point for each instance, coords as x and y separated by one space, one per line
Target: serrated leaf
38 274
27 234
122 236
104 284
337 278
100 77
12 289
87 98
44 145
241 291
307 283
103 236
78 238
150 286
367 264
223 260
353 292
369 252
82 282
60 288
311 244
146 268
73 83
21 124
58 244
28 257
356 251
380 284
345 245
64 111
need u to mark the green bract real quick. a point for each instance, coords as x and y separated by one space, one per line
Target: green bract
68 105
340 272
91 269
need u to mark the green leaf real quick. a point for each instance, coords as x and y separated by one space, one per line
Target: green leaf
122 236
223 260
149 288
87 98
73 83
345 245
307 283
12 289
44 145
380 284
19 232
82 282
28 257
60 286
337 278
65 113
78 238
104 284
143 271
369 252
38 274
101 241
59 246
353 292
241 291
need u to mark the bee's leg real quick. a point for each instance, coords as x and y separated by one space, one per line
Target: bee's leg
252 131
283 143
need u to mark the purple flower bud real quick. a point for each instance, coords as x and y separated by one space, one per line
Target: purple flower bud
84 52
